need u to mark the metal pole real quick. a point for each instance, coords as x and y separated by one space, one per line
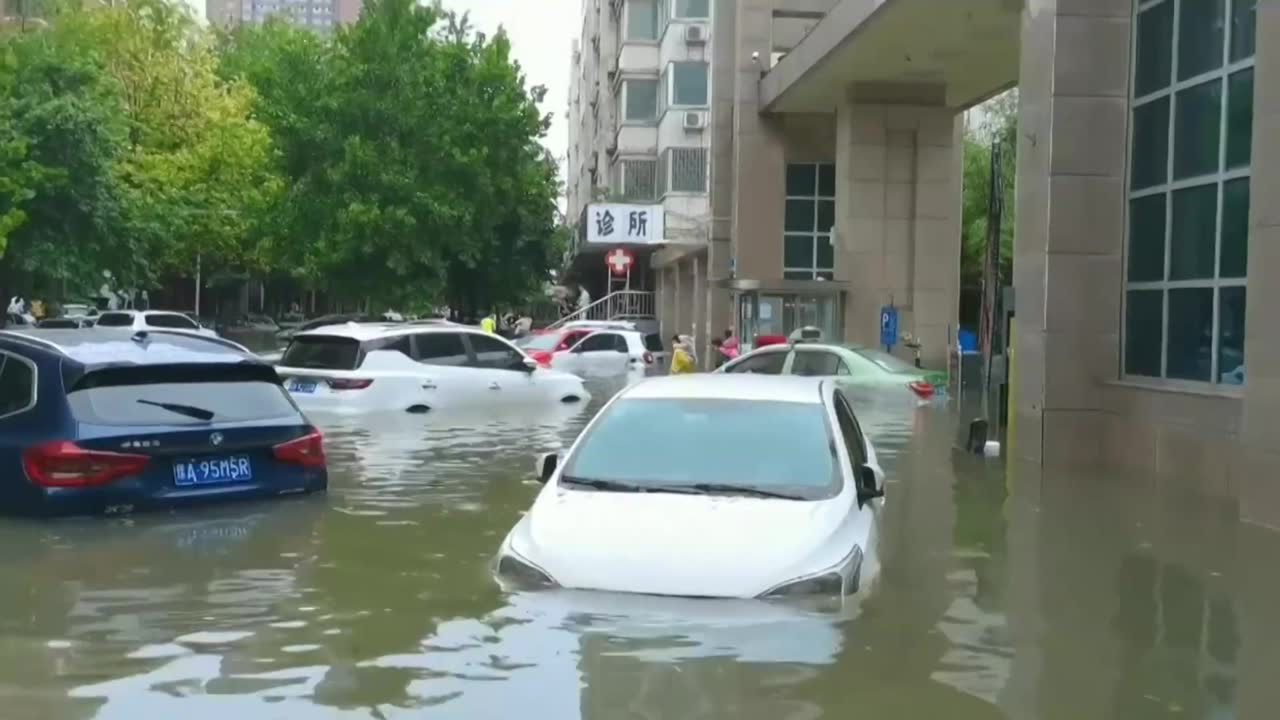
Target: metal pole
199 282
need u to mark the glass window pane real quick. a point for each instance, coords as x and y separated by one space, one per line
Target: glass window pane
642 20
690 83
826 215
1191 243
1155 50
1144 318
642 100
826 252
1198 122
693 8
1240 118
1146 238
1200 36
1190 334
1244 24
827 180
1150 162
801 180
800 216
797 275
1235 229
1231 302
797 251
828 275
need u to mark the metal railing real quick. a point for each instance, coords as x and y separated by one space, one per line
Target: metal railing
620 305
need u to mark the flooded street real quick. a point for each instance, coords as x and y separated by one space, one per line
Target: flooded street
1003 595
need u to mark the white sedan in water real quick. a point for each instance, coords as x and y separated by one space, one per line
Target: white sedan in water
734 486
417 368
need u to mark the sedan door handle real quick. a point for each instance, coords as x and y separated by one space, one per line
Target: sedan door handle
494 386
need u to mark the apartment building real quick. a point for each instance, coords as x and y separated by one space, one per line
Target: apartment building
1145 257
318 15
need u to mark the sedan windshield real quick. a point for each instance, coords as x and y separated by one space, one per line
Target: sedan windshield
710 446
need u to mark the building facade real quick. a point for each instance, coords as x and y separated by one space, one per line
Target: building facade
1147 247
318 15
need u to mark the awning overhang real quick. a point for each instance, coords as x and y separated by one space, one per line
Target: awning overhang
952 53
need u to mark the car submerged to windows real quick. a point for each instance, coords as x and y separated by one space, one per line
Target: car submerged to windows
707 486
850 366
415 367
106 421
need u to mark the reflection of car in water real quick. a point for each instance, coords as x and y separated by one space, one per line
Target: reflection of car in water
103 420
427 367
668 490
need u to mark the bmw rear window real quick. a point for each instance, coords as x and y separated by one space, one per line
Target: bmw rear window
653 343
189 394
322 352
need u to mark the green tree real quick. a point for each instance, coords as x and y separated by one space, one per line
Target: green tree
998 125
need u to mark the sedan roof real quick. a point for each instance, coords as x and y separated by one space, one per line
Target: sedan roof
100 347
777 388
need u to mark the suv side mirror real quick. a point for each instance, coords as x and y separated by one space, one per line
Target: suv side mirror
546 466
868 485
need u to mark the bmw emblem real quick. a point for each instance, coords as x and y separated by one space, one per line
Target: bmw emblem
215 439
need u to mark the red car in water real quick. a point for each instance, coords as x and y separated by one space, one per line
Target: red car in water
542 344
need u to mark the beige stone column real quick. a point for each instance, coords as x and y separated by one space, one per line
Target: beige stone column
1258 475
898 207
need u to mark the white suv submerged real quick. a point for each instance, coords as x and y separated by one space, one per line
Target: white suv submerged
415 368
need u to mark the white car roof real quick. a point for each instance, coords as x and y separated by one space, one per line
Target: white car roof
374 331
599 324
778 388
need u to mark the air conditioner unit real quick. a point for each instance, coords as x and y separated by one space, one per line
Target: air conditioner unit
695 121
695 34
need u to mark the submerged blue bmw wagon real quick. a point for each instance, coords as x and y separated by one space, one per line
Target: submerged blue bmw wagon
100 420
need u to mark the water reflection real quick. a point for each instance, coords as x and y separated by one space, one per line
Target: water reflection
1003 594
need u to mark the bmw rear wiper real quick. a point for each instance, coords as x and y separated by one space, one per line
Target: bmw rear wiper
730 489
190 411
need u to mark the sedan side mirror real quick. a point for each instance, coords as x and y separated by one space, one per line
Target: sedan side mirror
529 364
868 485
546 466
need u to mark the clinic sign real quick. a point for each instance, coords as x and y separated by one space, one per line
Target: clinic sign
619 224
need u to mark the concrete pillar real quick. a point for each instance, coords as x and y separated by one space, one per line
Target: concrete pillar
898 213
679 304
1259 471
698 305
719 301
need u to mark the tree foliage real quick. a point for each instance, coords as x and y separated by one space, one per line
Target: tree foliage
999 119
398 160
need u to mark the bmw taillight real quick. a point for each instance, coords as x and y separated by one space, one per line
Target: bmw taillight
64 464
648 358
307 451
349 383
923 390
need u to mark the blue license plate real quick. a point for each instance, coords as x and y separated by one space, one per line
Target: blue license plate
212 471
305 388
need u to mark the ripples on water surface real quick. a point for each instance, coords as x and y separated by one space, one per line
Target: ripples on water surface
1089 598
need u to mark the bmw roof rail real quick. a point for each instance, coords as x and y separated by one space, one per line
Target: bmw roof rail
21 336
192 334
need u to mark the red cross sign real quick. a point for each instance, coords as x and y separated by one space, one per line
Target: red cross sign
619 261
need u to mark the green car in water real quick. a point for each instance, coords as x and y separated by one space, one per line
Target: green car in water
846 364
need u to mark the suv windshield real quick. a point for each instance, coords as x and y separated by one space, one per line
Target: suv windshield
115 319
780 447
322 352
192 394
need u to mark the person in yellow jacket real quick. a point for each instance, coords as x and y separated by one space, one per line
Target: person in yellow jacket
682 362
489 324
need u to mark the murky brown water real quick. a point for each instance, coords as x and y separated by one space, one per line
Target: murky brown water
1002 597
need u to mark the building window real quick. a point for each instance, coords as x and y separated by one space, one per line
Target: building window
807 252
682 170
695 9
635 180
642 20
689 84
1187 248
640 98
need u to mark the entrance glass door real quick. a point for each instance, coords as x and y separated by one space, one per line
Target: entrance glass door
763 314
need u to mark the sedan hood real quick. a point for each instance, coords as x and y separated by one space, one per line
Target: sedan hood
685 545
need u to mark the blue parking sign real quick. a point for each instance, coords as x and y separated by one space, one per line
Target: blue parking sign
888 327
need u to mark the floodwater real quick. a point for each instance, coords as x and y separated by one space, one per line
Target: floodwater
1003 595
